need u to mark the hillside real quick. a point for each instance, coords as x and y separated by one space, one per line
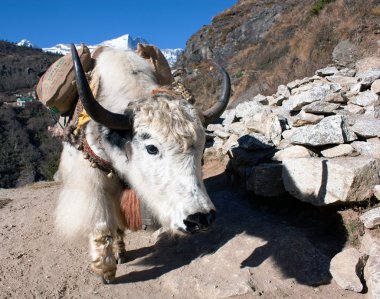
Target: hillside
20 67
265 43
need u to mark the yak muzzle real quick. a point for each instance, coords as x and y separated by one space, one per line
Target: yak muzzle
199 221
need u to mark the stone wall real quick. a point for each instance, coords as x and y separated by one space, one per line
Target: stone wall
315 138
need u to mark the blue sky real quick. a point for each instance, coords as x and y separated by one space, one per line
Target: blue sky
167 24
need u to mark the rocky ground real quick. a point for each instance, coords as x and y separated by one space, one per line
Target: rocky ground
254 250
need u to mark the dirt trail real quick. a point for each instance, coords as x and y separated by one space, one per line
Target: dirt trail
249 253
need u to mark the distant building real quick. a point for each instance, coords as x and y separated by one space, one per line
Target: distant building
23 101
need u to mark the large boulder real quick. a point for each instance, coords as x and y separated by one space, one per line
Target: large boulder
367 127
330 130
316 93
345 53
265 180
322 181
347 268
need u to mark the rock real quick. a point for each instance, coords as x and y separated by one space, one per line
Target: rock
285 143
214 127
283 90
370 243
293 84
297 83
327 71
345 53
367 64
232 142
346 268
276 101
297 101
338 151
376 191
254 125
248 109
356 88
345 82
335 98
218 143
372 111
350 95
367 148
368 77
237 128
242 159
330 130
367 127
288 133
229 116
304 118
323 108
274 128
347 72
375 87
371 218
222 134
322 181
372 276
266 180
355 109
366 98
261 99
254 141
296 151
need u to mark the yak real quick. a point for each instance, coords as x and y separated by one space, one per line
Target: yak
152 141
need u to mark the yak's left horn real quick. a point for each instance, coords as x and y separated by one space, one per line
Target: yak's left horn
215 111
96 111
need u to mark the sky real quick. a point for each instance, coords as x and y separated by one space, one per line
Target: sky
45 23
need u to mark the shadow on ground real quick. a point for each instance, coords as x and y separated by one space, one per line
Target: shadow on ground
300 239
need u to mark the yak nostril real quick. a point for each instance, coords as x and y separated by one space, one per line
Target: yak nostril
211 217
199 221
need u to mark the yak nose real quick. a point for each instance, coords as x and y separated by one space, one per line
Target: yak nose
199 221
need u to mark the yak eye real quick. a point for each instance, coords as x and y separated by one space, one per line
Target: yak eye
152 150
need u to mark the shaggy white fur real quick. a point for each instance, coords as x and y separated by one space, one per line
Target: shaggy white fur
160 159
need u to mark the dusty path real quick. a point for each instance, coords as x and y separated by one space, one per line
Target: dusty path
250 253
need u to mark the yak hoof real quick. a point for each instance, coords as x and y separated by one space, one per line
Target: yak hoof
108 279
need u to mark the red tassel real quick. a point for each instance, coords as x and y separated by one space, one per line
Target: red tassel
130 207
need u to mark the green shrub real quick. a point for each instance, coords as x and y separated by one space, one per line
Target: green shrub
318 6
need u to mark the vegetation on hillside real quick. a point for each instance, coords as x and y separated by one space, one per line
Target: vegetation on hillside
20 67
265 43
28 153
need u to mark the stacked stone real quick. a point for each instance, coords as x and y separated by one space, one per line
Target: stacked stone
316 138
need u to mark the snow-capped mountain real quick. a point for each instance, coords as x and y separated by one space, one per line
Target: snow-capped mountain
171 55
25 43
123 42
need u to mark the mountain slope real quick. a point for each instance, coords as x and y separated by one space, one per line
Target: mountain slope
266 43
20 66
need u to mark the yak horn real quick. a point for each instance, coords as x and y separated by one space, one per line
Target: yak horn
215 111
97 112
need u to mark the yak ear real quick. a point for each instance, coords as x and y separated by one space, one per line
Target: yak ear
215 111
96 111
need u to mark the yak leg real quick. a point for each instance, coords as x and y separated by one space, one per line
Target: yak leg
119 247
103 260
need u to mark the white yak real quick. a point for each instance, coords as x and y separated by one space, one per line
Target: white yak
154 142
